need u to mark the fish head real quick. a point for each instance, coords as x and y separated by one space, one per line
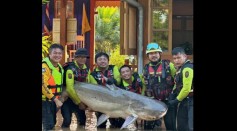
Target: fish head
153 111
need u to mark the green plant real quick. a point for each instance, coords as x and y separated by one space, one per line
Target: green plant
107 32
46 42
116 58
45 1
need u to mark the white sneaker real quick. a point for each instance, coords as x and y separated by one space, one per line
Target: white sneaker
108 124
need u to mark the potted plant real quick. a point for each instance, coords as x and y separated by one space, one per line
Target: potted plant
45 1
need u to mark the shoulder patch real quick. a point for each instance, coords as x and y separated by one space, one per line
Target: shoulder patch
43 70
70 76
186 74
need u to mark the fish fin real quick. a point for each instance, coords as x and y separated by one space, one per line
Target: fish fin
111 87
129 120
102 119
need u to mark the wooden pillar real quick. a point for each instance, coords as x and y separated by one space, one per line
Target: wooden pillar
63 23
92 33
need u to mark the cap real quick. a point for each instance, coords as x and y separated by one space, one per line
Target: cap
82 52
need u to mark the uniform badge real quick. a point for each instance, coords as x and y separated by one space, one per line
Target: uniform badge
43 70
186 74
70 76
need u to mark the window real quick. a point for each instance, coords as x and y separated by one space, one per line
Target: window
161 24
69 8
128 29
57 8
182 25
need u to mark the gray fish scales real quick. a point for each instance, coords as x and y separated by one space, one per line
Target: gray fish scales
115 102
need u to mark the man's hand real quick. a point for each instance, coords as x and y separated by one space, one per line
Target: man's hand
58 102
174 102
109 81
89 109
64 96
149 93
146 82
172 96
82 106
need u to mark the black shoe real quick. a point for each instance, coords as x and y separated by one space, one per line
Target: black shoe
65 126
81 123
149 125
158 123
102 125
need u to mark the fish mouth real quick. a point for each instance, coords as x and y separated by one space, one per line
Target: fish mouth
150 118
163 113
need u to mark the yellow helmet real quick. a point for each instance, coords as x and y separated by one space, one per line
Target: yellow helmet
153 47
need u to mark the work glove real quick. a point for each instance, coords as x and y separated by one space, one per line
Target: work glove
172 96
109 81
174 102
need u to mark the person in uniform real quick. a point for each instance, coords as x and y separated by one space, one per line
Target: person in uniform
184 90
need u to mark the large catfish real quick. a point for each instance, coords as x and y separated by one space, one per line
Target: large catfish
115 102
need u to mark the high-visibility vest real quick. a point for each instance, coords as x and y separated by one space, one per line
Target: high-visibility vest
56 79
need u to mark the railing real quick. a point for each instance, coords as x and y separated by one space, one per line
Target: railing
72 47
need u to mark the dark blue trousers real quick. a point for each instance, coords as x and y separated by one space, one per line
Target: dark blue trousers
185 115
170 118
67 109
49 111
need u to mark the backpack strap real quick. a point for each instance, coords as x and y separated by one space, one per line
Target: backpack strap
65 67
95 73
111 67
136 77
146 72
165 67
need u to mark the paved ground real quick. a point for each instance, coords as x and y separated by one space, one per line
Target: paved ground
74 127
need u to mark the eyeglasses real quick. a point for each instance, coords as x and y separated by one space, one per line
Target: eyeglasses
152 46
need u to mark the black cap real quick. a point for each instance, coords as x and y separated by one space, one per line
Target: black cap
82 52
